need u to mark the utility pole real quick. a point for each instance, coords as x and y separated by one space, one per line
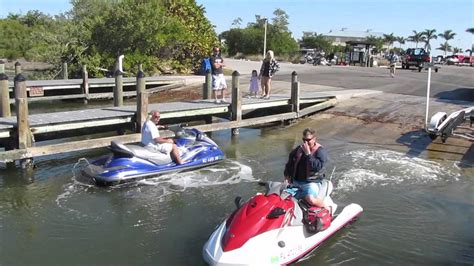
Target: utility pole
265 38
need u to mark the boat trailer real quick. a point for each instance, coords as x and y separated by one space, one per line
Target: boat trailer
445 126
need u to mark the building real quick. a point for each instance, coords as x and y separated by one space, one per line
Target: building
340 37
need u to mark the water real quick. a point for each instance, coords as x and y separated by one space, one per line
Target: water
416 211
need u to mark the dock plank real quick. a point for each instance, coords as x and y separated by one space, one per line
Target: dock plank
50 122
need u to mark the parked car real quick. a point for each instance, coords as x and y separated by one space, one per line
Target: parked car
415 57
453 60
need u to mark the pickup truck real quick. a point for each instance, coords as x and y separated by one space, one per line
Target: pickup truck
415 57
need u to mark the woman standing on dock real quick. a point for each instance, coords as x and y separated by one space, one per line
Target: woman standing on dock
269 68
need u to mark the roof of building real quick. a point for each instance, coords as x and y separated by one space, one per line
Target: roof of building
353 34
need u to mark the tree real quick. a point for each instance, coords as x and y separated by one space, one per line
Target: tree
378 42
401 40
417 37
447 35
390 39
249 40
445 47
457 50
316 41
470 30
429 35
280 21
237 22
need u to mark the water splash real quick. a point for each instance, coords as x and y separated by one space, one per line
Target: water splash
385 167
227 172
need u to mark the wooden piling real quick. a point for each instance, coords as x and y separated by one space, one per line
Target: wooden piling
295 93
4 96
118 88
65 74
85 83
236 104
17 68
25 138
142 101
207 86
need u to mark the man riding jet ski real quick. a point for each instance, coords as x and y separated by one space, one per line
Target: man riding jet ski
190 149
288 221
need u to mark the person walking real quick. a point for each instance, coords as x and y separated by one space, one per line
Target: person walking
392 59
218 80
268 69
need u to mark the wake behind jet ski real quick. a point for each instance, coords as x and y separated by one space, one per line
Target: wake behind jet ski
134 161
275 228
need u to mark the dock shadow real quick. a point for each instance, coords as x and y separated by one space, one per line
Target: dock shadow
467 161
417 141
459 94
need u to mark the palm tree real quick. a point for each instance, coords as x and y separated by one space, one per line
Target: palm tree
470 30
445 47
457 50
401 40
416 38
390 39
447 35
429 35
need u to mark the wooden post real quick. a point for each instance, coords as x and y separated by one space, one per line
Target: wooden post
4 96
17 68
295 93
65 75
142 101
236 105
25 139
118 88
85 83
207 86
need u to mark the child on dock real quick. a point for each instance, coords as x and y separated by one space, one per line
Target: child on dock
253 87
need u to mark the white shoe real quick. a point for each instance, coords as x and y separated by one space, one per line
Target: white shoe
217 101
224 101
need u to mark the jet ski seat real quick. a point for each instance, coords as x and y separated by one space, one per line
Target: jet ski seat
140 152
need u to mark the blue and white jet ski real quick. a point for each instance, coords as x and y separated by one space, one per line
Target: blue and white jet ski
134 161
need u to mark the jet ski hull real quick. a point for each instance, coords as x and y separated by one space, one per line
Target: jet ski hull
134 162
276 228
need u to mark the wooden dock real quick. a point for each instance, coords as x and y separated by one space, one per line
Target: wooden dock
241 112
98 88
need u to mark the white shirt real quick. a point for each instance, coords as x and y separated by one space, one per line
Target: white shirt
149 133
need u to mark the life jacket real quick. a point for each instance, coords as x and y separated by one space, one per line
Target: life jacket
299 154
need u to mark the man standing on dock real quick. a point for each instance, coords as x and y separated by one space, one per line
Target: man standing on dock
151 138
218 79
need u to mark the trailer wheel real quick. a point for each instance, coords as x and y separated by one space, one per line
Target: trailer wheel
436 70
419 69
432 136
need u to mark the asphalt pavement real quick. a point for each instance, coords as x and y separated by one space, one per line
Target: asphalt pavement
377 109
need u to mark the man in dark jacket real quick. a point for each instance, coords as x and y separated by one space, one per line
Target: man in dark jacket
305 164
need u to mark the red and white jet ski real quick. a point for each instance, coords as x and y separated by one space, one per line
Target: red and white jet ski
275 228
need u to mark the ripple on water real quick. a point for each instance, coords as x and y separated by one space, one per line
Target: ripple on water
385 167
227 172
408 215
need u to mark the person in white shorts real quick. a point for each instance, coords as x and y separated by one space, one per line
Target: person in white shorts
151 138
218 79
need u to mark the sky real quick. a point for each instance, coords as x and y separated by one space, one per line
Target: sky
400 17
